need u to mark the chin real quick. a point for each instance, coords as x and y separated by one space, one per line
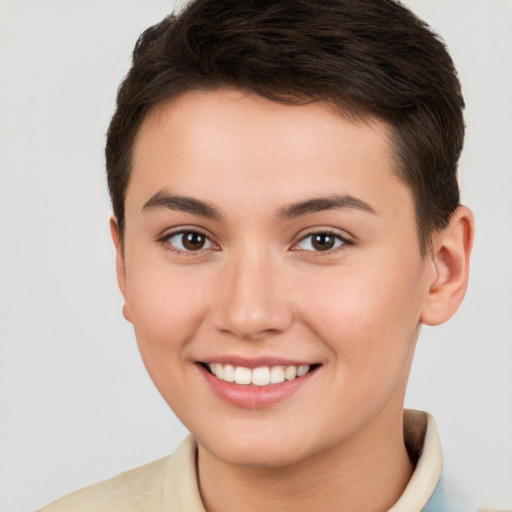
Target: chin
266 449
259 458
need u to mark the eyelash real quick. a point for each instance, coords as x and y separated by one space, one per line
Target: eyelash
338 239
165 240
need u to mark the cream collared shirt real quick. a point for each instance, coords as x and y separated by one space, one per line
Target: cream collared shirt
170 484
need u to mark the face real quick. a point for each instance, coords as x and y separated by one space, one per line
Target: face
272 272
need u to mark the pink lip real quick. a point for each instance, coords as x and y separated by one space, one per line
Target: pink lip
253 397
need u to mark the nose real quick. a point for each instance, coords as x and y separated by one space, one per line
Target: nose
252 302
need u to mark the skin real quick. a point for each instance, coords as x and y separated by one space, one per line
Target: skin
258 288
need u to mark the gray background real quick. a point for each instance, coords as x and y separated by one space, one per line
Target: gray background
76 405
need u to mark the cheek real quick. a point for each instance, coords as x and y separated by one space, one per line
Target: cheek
167 308
369 318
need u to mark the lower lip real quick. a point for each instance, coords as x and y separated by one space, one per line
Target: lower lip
254 397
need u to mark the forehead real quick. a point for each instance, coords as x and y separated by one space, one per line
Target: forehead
240 142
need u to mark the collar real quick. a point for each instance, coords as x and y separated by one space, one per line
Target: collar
421 439
424 448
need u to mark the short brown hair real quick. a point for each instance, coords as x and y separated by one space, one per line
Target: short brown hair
370 57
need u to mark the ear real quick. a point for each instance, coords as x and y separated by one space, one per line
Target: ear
120 264
450 260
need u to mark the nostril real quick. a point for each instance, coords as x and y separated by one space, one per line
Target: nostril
253 324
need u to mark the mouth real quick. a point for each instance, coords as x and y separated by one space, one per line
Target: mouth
256 384
261 376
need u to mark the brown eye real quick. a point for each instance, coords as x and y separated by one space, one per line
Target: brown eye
188 241
323 241
320 242
193 241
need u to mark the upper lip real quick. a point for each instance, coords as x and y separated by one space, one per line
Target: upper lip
256 362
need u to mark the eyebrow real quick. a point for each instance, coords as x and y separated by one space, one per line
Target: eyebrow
163 199
324 203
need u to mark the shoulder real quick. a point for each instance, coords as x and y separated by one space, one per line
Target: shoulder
132 490
150 487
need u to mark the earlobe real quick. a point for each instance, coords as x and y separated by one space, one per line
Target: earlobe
120 264
450 259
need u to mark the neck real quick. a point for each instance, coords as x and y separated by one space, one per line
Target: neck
367 473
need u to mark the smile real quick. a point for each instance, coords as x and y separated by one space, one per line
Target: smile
261 376
254 384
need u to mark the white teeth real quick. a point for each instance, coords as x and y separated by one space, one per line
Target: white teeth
276 374
219 370
302 370
229 373
290 373
242 375
261 376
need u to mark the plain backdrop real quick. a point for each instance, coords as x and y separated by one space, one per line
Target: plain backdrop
76 405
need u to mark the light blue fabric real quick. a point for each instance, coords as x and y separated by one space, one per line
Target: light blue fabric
446 499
